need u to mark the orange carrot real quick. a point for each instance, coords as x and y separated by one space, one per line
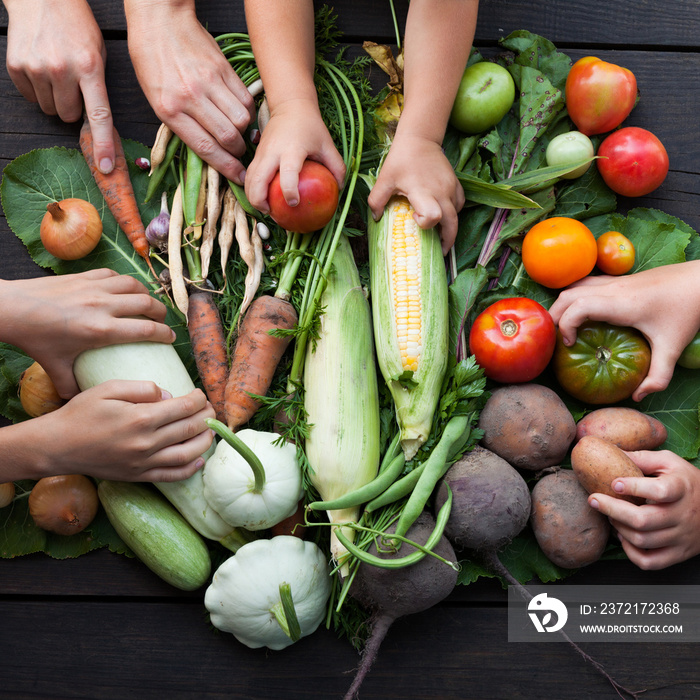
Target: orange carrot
209 347
118 192
256 356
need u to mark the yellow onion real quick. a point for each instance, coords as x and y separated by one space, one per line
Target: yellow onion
7 493
70 228
37 393
63 504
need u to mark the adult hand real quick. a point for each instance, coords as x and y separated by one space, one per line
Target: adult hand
56 57
189 83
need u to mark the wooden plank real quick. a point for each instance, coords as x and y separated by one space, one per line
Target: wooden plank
625 23
113 651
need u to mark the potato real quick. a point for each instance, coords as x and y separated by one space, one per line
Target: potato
528 425
490 501
597 463
570 533
627 428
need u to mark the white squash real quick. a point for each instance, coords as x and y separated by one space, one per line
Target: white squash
230 484
244 595
159 363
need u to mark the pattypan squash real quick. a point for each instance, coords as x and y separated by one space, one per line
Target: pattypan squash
271 592
250 481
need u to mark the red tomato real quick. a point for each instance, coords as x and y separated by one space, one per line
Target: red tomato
318 200
599 95
559 251
615 253
513 340
633 162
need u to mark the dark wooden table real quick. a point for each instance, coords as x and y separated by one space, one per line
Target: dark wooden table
102 626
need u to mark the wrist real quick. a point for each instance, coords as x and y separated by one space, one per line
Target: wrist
150 14
24 454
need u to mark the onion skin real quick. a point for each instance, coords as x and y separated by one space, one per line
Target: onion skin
7 493
64 504
70 228
37 393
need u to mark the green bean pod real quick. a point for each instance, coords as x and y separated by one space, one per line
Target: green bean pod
435 467
191 187
397 490
367 492
159 172
410 559
248 208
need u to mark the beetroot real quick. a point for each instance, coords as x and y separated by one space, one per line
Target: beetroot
394 593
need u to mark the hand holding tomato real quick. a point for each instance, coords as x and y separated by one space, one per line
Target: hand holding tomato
295 133
318 200
513 340
663 531
599 95
661 302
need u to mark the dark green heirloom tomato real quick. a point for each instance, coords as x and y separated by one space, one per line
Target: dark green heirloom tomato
605 364
690 357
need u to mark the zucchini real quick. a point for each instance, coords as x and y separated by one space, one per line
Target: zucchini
157 534
160 363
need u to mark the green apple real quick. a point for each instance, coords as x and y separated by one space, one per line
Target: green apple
485 94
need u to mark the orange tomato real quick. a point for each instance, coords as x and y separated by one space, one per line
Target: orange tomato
615 253
559 251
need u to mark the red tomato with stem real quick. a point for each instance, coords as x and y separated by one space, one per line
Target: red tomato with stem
599 95
633 162
513 340
318 200
615 253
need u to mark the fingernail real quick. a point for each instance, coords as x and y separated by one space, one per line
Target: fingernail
173 334
292 202
618 486
641 396
165 394
106 166
567 342
199 463
593 503
242 182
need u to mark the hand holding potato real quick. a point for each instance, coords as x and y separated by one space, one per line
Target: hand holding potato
664 530
659 302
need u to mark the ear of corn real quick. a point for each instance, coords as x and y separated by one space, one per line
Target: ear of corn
410 313
341 395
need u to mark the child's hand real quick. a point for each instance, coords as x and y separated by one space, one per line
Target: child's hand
54 318
666 529
295 133
189 83
659 302
122 430
418 169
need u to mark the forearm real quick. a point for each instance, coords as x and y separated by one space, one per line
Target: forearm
282 36
438 41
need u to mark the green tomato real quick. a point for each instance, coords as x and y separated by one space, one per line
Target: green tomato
690 357
570 148
485 94
605 364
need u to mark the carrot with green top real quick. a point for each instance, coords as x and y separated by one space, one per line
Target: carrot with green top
118 193
256 356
